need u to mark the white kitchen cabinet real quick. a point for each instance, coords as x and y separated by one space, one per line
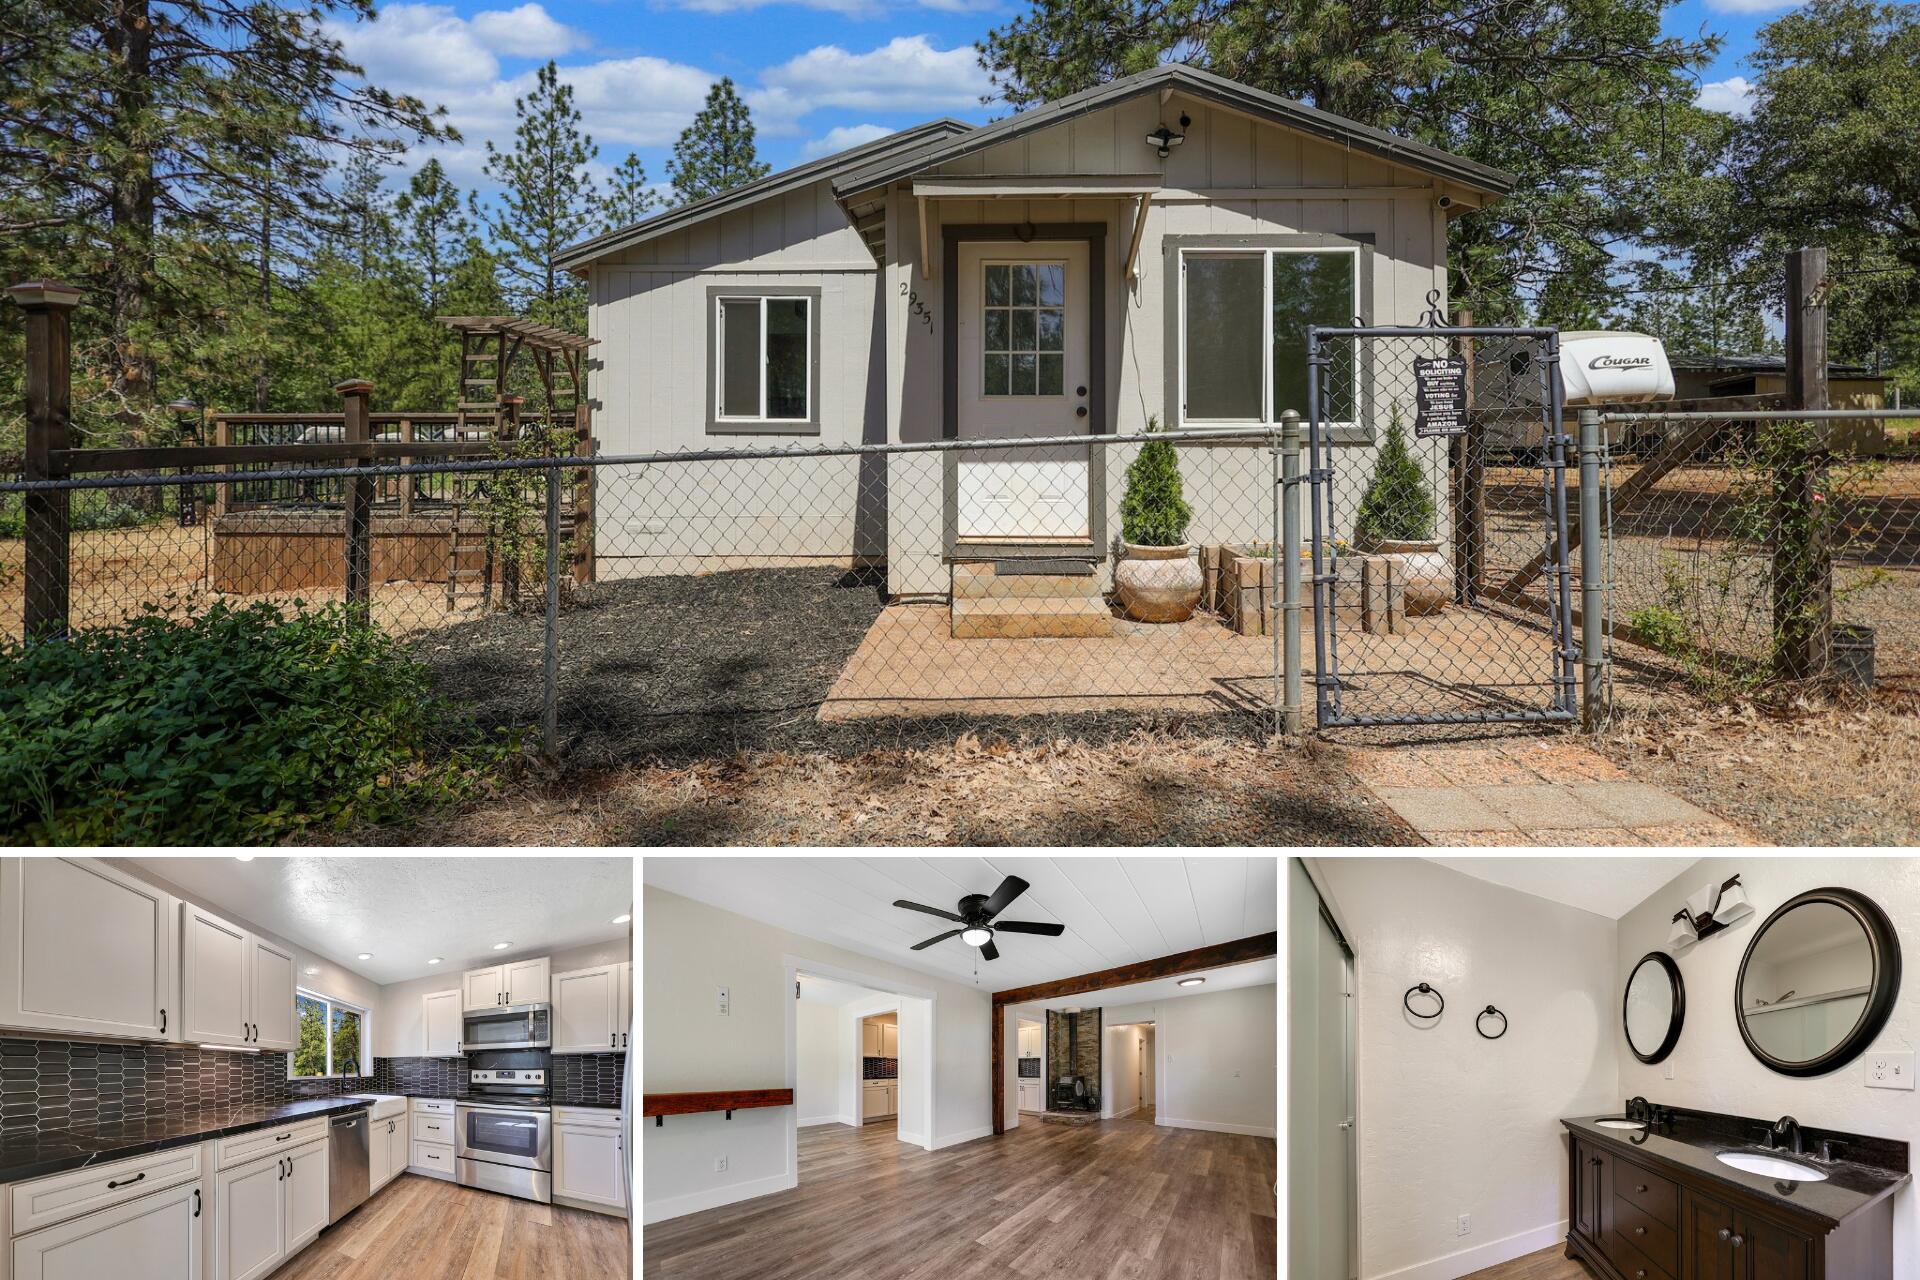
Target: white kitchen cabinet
85 948
1029 1042
269 1209
235 988
869 1039
889 1040
442 1022
586 1010
1029 1093
589 1158
387 1145
430 1149
623 1011
520 982
399 1137
307 1195
271 982
873 1101
156 1237
483 988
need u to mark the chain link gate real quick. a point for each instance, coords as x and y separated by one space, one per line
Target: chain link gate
1441 579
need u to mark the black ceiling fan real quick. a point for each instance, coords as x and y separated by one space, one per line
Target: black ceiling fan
976 913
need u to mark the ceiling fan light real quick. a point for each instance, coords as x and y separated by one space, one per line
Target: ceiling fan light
976 937
1191 982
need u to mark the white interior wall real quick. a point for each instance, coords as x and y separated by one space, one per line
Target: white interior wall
820 1064
1216 1060
1120 1071
1711 1067
1451 1123
1146 1065
692 949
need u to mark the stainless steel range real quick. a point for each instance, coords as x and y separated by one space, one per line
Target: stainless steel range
504 1126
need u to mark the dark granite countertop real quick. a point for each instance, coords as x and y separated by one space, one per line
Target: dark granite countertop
483 1098
37 1154
1849 1186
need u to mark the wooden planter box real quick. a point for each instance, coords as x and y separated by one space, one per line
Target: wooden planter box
1241 588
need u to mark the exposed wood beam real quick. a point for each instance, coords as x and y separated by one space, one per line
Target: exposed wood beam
1239 951
926 259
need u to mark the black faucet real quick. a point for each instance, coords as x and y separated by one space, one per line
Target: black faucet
1638 1108
1787 1126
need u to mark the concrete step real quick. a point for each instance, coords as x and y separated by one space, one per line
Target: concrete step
1020 618
980 582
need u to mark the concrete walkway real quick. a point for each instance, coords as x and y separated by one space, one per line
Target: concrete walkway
1532 792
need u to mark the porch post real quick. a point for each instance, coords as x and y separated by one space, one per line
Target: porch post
49 394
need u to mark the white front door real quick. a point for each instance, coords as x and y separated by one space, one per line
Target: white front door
1023 371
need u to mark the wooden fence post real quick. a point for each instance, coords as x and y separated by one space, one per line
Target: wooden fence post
1802 556
407 482
49 387
359 394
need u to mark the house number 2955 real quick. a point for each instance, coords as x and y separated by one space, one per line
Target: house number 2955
918 308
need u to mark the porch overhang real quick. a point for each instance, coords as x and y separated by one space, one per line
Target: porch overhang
1137 187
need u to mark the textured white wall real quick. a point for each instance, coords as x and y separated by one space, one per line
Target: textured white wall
1217 1058
1712 1070
1120 1071
819 1063
1451 1123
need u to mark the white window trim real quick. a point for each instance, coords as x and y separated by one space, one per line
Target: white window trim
333 1002
1065 319
1265 254
720 358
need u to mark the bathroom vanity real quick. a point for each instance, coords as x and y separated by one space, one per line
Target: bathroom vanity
1656 1201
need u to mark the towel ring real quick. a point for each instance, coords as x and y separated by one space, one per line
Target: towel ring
1406 1001
1492 1012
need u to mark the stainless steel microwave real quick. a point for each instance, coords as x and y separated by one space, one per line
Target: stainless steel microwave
519 1026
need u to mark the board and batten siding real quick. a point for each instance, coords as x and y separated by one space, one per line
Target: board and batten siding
651 381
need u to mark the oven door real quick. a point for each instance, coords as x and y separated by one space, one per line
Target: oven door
517 1136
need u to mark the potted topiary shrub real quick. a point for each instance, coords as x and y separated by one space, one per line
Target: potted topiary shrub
1158 580
1398 518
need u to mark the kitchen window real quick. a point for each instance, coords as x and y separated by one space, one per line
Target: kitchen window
1242 334
765 350
330 1037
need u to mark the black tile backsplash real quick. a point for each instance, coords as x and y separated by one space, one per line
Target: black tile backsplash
879 1068
425 1077
584 1079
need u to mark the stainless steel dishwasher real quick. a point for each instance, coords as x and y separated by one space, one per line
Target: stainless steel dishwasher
347 1165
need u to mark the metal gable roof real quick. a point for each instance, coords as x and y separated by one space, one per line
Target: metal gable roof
576 256
1202 84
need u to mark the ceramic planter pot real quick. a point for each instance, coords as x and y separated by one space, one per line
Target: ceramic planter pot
1426 571
1158 584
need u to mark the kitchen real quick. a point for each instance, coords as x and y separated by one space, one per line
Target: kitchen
236 1068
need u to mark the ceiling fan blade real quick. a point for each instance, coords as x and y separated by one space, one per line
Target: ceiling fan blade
989 952
1028 926
1010 888
941 937
932 911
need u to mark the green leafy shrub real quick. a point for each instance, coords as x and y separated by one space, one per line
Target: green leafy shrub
1154 511
91 509
1662 629
239 724
1398 506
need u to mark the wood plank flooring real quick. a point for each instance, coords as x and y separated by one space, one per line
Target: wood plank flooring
1548 1264
1117 1200
426 1229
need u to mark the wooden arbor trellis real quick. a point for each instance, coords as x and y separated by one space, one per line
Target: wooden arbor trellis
489 345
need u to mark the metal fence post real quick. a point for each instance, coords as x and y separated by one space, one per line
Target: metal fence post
1289 574
49 388
550 690
358 393
1593 639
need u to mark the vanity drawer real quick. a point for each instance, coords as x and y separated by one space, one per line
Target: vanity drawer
1633 1264
430 1128
1645 1232
1649 1192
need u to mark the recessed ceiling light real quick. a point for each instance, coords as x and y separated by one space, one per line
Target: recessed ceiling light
311 971
1191 982
622 919
501 946
435 960
243 857
366 955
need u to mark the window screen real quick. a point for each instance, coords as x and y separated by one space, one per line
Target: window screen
1308 288
740 357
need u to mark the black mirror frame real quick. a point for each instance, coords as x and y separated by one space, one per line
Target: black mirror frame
1884 944
1675 1021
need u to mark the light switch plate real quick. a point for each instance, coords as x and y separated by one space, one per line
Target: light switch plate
1890 1069
722 1003
1669 1069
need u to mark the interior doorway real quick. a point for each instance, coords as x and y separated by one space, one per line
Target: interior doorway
1322 1129
1144 1033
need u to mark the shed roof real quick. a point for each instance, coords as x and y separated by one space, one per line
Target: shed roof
882 169
576 256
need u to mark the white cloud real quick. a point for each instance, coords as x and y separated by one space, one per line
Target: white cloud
1750 6
842 138
416 48
1733 96
906 74
527 32
845 8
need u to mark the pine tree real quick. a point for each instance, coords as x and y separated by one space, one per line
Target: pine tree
630 198
547 201
1154 511
433 232
1398 506
716 152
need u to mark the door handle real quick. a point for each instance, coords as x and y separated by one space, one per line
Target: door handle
1080 391
1080 412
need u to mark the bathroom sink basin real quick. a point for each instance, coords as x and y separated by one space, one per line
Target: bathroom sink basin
1768 1167
1621 1124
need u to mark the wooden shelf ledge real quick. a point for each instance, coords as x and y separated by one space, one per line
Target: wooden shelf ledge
661 1105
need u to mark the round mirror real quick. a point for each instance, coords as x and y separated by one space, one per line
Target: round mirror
1656 1006
1818 982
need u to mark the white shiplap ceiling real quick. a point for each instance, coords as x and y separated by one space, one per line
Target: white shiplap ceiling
1608 887
406 910
1116 910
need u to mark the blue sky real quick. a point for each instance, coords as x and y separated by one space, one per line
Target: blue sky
819 74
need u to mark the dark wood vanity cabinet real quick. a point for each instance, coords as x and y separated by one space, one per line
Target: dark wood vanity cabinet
1630 1221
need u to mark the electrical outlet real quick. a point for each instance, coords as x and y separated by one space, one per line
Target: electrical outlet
1890 1069
722 1003
719 1164
1466 1224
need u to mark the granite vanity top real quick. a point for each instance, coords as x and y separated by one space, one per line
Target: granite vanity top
38 1153
1850 1186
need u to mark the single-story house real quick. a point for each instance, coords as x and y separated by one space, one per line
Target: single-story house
1700 377
1152 248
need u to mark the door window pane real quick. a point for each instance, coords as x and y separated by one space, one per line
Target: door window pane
787 358
1311 288
1024 314
1222 300
740 357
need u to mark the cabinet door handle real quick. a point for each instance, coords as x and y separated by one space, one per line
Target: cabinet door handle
283 1137
140 1177
196 1202
1641 1188
281 1165
1640 1274
163 1022
1639 1231
1737 1241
